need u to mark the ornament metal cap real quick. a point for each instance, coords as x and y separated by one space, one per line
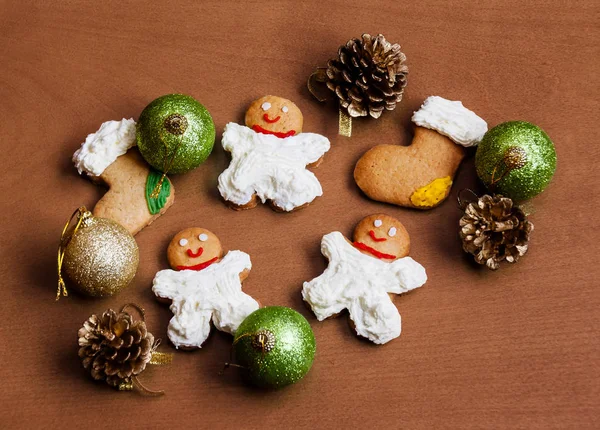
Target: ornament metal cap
176 124
263 340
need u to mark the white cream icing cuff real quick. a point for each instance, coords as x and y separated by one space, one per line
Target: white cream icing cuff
102 148
361 284
214 293
271 167
451 119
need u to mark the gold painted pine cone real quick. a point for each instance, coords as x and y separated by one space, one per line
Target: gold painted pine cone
368 76
493 230
114 348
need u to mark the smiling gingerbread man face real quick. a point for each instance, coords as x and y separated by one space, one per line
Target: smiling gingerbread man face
194 249
274 115
382 236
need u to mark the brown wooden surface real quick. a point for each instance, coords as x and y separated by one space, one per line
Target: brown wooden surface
513 348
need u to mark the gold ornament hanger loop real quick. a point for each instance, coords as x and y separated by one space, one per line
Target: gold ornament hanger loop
138 308
82 214
462 204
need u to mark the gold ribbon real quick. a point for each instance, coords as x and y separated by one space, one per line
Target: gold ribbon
133 383
161 358
345 124
315 86
82 214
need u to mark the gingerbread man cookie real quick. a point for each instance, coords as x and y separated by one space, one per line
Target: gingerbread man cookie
203 286
420 175
108 158
269 157
361 275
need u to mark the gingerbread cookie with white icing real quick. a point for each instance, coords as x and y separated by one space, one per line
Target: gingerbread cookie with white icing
420 175
108 157
362 275
270 156
204 288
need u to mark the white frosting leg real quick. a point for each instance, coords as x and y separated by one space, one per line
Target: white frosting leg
190 325
228 317
303 187
375 318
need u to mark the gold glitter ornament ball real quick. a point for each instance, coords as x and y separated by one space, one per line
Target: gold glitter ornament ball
101 257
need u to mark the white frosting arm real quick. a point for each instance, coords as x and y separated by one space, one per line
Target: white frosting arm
451 119
167 284
190 325
233 262
102 148
237 138
375 317
308 147
409 273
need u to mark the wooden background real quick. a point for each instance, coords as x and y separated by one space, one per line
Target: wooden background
513 348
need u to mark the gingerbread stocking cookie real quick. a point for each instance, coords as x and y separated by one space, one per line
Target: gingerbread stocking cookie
420 175
203 287
269 158
108 157
361 275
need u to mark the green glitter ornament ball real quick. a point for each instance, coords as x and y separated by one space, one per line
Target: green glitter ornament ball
175 133
275 345
516 159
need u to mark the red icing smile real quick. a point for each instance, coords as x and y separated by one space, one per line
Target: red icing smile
269 120
200 266
196 254
375 238
373 251
257 128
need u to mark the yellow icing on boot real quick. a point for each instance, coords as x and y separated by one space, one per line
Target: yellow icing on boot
432 193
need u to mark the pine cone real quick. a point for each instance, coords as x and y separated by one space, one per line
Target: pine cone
369 76
492 229
114 348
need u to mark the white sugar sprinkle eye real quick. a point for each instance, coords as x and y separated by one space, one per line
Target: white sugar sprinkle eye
266 106
392 232
183 242
203 237
284 109
378 223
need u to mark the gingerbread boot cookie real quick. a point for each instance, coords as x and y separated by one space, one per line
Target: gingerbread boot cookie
361 275
203 287
270 156
108 158
420 175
